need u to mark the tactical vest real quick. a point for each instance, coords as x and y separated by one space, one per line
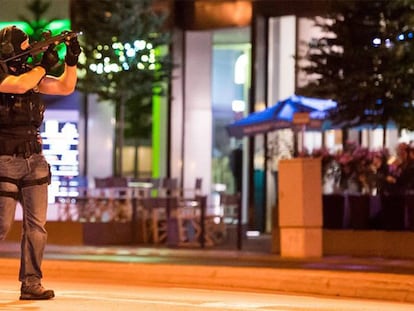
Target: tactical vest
21 116
21 110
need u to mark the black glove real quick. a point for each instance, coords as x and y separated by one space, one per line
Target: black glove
73 51
50 58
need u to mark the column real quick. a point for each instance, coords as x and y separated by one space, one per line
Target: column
300 207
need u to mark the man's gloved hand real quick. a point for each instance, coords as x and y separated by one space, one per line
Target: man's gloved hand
73 51
50 58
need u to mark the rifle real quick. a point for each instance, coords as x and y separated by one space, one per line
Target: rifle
41 46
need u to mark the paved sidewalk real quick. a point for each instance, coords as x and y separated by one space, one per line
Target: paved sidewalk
375 278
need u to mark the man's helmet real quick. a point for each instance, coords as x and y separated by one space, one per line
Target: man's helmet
11 39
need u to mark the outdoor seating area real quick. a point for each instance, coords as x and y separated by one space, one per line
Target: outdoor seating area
159 210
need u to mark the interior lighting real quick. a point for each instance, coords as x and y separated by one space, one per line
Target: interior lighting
253 233
221 14
238 105
240 69
401 37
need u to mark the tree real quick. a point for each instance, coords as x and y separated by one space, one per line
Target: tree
364 61
122 61
38 25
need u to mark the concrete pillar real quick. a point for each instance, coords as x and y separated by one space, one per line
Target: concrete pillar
191 112
300 208
197 120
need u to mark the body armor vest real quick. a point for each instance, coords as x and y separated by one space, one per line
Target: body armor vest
21 110
21 116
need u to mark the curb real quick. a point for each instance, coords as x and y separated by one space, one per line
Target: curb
382 286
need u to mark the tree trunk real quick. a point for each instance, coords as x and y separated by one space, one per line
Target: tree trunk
344 137
136 159
119 136
85 129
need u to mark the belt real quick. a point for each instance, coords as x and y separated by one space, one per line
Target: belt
21 150
24 155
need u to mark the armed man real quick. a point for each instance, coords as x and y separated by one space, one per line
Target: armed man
24 171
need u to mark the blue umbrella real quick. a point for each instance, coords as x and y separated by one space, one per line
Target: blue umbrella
281 116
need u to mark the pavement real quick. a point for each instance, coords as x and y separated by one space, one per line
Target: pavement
250 269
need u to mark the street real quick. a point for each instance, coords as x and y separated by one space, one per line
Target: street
78 290
72 296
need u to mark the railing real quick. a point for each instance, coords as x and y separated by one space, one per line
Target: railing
156 215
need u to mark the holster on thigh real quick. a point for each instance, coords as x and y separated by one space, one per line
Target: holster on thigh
21 184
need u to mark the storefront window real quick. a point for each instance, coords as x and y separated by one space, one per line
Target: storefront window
230 87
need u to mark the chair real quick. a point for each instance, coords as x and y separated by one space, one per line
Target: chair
112 199
62 203
73 199
169 187
120 196
188 214
142 187
230 225
100 210
230 204
193 192
158 212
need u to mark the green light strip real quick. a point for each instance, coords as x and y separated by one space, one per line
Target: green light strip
156 136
